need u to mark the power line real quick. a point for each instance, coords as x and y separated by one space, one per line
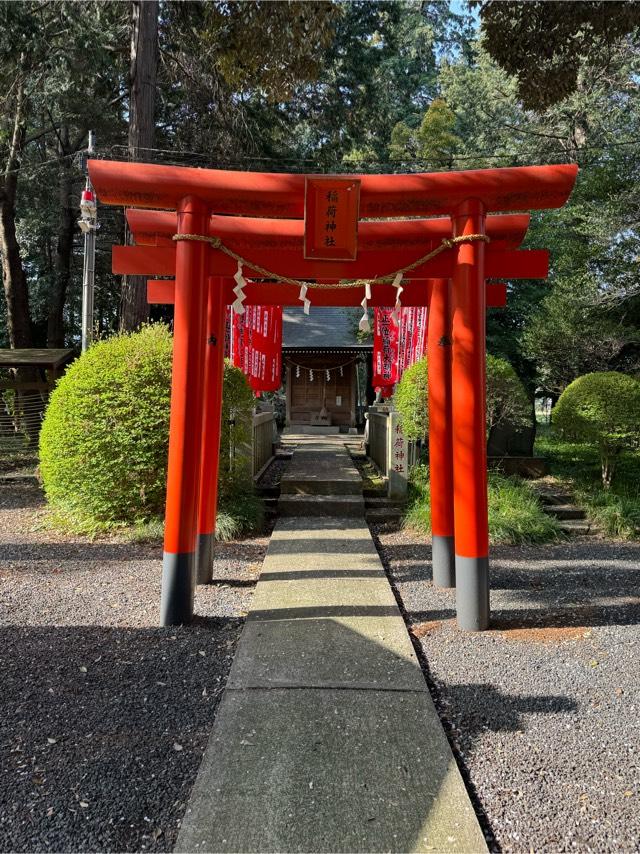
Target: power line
120 152
245 161
33 168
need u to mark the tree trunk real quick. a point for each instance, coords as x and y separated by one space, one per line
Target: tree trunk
608 459
144 65
14 280
64 249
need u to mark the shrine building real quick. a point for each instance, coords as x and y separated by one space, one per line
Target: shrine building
321 352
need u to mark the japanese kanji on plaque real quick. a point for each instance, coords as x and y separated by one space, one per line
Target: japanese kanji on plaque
331 218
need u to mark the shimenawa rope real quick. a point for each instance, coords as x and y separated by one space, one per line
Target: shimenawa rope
446 243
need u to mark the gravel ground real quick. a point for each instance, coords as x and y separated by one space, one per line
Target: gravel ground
543 710
104 717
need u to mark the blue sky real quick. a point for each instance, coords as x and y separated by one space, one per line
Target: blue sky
460 7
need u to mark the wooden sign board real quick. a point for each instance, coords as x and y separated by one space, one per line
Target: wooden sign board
331 207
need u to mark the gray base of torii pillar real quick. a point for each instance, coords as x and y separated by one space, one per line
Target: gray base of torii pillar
443 561
176 603
472 593
205 558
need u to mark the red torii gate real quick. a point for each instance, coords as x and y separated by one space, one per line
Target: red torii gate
259 217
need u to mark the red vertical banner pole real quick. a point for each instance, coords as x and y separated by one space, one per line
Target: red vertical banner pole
440 433
211 425
185 426
469 422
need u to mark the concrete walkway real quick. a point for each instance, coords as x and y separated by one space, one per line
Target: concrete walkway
326 738
321 480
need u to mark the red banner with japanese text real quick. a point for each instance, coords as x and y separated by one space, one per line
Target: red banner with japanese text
256 346
385 349
397 346
412 336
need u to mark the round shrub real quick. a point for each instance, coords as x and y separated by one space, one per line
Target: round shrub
410 399
507 400
602 409
104 439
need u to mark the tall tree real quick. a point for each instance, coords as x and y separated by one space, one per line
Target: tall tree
54 53
142 108
13 276
545 43
433 144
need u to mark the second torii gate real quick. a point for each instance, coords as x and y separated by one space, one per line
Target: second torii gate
217 217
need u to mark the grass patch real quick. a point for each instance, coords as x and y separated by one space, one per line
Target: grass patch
515 513
238 516
418 512
616 511
151 531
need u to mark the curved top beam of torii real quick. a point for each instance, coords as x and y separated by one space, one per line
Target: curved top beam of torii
517 188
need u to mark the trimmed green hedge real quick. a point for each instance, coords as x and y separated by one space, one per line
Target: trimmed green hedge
236 432
105 438
507 400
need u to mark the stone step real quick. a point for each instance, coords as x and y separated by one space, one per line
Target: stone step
380 492
383 501
383 514
577 527
565 511
347 506
268 492
19 478
326 738
555 498
320 486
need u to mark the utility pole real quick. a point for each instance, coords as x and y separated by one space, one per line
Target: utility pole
88 223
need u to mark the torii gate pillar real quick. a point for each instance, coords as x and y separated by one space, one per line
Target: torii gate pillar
211 426
440 434
185 431
469 430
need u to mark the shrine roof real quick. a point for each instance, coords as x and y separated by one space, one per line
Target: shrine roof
34 358
323 328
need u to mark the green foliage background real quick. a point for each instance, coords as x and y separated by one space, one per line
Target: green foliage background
372 87
507 400
515 513
236 431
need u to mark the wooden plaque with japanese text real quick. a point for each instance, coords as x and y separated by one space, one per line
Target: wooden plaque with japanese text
331 218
